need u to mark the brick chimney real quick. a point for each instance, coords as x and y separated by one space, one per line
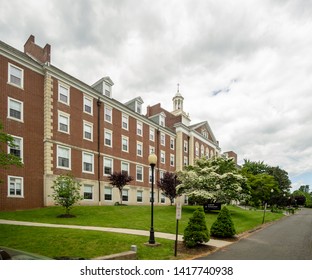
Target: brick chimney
42 55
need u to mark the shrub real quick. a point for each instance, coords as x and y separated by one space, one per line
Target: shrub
196 231
223 226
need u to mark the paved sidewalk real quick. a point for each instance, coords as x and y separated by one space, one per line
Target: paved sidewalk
212 242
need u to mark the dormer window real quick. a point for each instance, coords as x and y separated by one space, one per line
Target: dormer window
107 89
138 107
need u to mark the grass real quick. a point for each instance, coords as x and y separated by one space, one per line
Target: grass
54 242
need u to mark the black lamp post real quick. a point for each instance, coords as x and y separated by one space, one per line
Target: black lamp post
152 160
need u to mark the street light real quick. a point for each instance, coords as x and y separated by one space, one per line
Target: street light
152 160
265 206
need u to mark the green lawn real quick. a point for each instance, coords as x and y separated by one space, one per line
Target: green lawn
87 244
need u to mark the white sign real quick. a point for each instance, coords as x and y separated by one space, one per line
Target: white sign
178 211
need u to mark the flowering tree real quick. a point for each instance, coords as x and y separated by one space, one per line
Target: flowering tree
119 180
215 179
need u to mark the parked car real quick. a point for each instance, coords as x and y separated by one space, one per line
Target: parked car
12 254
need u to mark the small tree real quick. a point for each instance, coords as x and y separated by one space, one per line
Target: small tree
168 185
119 180
196 231
223 226
66 192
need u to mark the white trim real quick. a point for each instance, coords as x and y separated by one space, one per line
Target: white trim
22 186
69 157
9 76
22 109
92 162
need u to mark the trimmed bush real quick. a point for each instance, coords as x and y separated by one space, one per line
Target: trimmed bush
196 231
223 225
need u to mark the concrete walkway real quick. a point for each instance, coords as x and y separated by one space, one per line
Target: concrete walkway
212 242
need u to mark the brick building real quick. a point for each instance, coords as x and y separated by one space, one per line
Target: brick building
62 125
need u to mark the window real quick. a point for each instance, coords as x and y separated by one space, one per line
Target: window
171 160
125 144
15 109
139 149
151 150
125 195
108 137
185 161
108 114
15 76
17 150
63 94
138 107
185 145
88 192
163 157
163 139
87 105
108 166
63 157
152 134
162 198
139 196
15 186
87 162
196 149
139 128
125 122
207 153
202 150
171 143
108 193
125 167
88 131
139 173
162 120
63 122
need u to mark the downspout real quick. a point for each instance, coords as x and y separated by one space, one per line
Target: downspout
99 146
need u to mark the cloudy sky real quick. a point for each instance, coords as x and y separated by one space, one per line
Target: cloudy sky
244 66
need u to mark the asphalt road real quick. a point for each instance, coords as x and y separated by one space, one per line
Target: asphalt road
288 239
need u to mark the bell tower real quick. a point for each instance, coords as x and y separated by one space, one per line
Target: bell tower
178 101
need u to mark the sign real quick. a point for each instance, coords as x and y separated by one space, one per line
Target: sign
212 206
178 211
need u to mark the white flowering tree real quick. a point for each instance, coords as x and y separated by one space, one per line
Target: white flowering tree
215 179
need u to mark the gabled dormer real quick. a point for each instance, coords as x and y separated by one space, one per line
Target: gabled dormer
104 86
135 104
159 119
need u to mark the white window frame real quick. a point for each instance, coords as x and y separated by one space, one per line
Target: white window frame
91 162
151 150
152 134
67 95
88 186
10 68
108 114
125 122
185 146
163 139
162 198
124 163
108 132
139 128
58 155
108 191
20 147
10 100
172 160
90 126
21 195
105 160
87 99
125 195
125 138
139 170
139 149
171 143
163 157
139 196
65 116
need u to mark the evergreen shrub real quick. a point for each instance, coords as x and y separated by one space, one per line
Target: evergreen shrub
196 232
223 226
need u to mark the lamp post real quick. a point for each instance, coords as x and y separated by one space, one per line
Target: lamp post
152 160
